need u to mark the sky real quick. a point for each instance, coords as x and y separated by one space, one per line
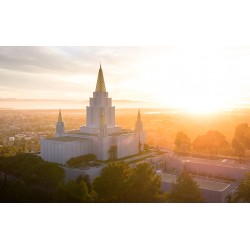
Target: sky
196 79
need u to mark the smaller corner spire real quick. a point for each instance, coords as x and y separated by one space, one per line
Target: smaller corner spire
139 115
138 125
60 116
59 125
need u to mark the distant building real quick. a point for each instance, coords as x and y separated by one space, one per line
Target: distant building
220 169
100 135
212 191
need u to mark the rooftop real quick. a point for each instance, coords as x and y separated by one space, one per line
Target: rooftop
221 163
203 184
66 139
77 132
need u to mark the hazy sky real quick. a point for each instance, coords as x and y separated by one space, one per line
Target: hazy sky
199 79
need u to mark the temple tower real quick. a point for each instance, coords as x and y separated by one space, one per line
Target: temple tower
59 125
139 132
100 102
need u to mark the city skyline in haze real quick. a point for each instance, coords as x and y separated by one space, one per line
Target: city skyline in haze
189 78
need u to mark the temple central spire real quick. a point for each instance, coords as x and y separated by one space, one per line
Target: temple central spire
100 85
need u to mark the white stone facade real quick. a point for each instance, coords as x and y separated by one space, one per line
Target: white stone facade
100 135
56 150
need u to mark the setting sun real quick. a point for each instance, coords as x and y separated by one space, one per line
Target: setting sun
198 102
197 80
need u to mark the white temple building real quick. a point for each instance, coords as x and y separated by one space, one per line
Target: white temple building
100 135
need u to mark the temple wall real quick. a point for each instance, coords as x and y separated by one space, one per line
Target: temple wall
60 152
127 145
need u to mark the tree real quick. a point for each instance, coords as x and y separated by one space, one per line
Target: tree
74 192
185 190
31 178
242 193
240 140
182 142
3 170
85 179
90 157
212 142
9 150
229 198
19 191
32 170
119 182
239 148
112 184
144 185
48 174
82 159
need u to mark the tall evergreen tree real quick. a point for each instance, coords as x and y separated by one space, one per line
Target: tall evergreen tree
144 185
112 184
185 189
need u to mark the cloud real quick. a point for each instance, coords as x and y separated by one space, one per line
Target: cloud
68 71
165 74
64 60
37 60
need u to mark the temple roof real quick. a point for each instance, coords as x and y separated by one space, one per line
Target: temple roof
203 184
100 85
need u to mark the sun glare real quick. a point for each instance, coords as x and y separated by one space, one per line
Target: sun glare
202 108
194 80
195 103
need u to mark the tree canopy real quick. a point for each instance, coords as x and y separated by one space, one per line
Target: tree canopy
182 141
242 193
112 184
82 159
185 190
9 150
119 182
32 169
74 191
212 142
241 140
35 180
28 178
144 185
